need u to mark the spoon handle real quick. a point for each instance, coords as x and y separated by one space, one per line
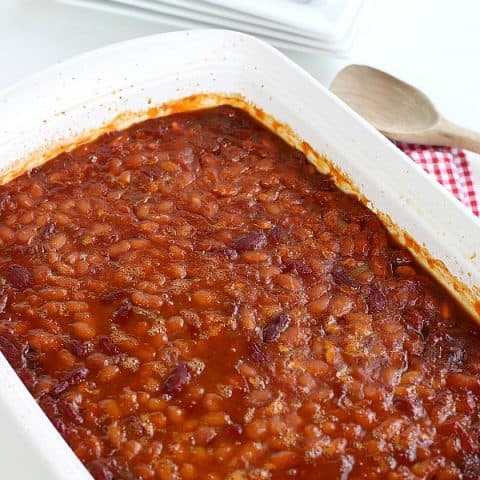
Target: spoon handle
457 136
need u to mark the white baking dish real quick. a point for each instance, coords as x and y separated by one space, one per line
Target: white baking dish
115 86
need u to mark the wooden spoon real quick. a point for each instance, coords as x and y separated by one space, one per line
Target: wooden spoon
398 110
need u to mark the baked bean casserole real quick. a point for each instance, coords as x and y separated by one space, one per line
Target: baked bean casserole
189 299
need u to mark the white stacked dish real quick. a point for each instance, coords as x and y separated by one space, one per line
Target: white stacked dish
300 25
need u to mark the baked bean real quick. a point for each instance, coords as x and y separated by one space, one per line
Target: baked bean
175 414
96 361
212 402
340 305
63 268
283 459
319 305
203 299
255 256
146 300
108 374
174 324
110 408
139 243
60 218
288 282
26 234
44 341
83 331
27 217
256 430
119 248
215 419
66 359
73 306
135 160
6 233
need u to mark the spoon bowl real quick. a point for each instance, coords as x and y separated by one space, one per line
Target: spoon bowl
397 109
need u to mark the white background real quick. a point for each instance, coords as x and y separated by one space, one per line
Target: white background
434 44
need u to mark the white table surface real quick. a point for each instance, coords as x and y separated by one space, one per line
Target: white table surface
434 44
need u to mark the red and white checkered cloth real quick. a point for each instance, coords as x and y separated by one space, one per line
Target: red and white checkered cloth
450 167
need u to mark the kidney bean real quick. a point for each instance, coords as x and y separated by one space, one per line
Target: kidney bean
79 349
325 183
256 353
100 471
112 296
108 346
124 312
227 252
376 300
76 377
342 278
70 408
177 380
252 241
48 230
19 277
30 357
49 406
273 330
27 376
3 302
400 257
11 352
278 235
298 267
61 427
